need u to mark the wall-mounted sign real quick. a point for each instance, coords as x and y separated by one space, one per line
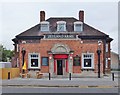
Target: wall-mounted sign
60 36
76 61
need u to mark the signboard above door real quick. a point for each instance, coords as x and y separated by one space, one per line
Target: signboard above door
60 36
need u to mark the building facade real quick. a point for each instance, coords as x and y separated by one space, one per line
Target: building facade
114 61
62 45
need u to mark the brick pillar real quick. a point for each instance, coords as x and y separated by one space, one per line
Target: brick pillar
81 15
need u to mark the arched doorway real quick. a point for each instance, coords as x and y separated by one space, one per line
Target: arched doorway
59 63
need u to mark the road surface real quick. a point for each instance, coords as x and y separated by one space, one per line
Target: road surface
57 90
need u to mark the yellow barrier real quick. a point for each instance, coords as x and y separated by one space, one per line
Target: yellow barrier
6 73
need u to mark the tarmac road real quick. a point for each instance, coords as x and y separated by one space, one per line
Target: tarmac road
57 90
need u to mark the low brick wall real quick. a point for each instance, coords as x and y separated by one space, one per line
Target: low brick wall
14 72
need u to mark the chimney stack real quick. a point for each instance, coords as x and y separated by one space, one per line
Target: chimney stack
42 16
81 15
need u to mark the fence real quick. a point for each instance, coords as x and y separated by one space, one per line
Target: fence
8 73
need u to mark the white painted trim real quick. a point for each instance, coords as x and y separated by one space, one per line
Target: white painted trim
92 64
29 61
47 26
17 47
58 25
44 22
106 47
78 23
61 22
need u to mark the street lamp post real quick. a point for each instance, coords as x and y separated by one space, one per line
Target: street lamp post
98 52
23 55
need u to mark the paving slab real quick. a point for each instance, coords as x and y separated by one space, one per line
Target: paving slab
64 82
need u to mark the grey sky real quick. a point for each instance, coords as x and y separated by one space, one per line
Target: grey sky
18 17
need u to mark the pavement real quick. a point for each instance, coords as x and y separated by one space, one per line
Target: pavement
104 82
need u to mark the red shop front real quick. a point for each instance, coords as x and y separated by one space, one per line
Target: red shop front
60 63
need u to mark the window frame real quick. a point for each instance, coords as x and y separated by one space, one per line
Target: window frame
42 61
106 63
61 23
74 61
29 62
43 23
17 47
106 47
78 23
92 60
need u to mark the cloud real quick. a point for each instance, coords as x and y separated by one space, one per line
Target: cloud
18 17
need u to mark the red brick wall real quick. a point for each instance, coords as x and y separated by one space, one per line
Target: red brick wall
76 69
76 45
45 69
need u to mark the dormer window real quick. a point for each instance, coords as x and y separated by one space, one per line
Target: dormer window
78 26
44 26
61 26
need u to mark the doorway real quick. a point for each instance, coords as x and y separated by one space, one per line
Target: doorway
59 67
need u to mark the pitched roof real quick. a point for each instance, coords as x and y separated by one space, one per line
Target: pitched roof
87 29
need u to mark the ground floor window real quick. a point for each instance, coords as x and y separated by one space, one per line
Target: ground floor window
88 61
34 60
45 61
106 63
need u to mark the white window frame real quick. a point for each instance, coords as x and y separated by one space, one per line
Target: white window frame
106 65
92 59
44 26
17 48
106 47
78 23
59 23
29 61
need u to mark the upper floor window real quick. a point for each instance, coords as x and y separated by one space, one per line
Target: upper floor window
17 47
61 26
106 47
44 26
78 26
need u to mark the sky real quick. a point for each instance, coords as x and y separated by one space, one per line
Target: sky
16 17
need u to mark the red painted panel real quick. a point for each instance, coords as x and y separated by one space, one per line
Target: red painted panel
66 65
60 56
54 66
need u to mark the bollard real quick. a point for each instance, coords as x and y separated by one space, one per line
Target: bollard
69 76
8 75
49 76
112 76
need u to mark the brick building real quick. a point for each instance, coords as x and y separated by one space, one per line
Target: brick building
62 45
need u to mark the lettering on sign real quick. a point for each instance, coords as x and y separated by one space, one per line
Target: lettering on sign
60 36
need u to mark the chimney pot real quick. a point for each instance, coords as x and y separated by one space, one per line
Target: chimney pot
81 15
42 16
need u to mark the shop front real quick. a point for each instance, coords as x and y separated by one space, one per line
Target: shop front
60 58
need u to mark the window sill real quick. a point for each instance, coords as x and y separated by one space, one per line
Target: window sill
87 69
34 69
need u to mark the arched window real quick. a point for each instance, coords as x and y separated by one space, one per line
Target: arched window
78 26
61 26
44 26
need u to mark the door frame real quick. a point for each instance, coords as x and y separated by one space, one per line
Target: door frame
59 67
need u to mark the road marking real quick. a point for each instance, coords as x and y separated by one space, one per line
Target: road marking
63 86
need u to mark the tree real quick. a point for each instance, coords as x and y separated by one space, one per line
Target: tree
1 50
5 55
